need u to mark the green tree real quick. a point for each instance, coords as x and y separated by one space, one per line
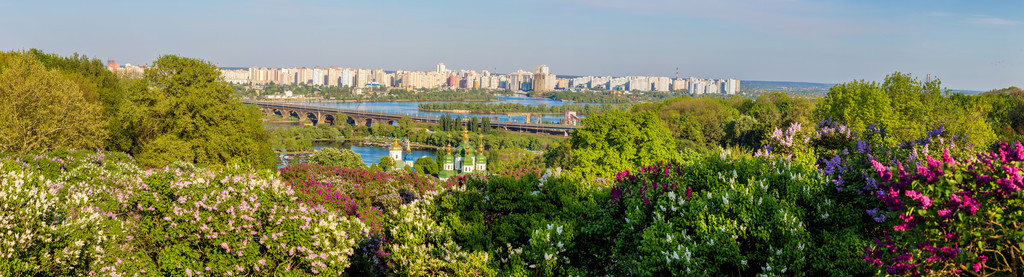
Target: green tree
42 110
907 108
340 119
386 163
471 124
513 159
485 125
181 110
405 122
426 166
617 141
331 156
858 104
559 155
96 83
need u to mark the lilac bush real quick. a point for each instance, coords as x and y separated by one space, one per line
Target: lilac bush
951 215
100 215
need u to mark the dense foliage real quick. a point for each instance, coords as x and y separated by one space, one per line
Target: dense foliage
42 109
335 157
907 107
104 215
617 141
182 111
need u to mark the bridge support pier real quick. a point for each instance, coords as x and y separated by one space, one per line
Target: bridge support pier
321 118
362 121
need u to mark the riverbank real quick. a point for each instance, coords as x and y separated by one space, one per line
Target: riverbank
364 142
307 100
275 119
483 112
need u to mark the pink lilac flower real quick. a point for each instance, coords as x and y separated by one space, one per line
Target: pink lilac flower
882 170
925 201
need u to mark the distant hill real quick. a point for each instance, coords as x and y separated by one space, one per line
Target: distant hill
783 84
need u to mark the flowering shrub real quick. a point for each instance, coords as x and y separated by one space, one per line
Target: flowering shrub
509 216
790 144
361 193
951 215
43 232
720 216
420 246
547 246
103 215
925 200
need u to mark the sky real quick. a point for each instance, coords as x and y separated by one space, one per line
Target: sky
969 45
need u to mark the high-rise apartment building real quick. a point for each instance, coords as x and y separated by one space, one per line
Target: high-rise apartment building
363 77
318 76
543 81
441 69
678 84
732 86
347 78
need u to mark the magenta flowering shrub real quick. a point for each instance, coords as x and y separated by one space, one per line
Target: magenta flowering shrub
951 215
367 195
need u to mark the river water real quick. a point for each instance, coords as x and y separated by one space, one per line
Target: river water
412 108
372 154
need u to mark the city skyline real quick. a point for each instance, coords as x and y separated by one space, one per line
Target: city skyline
971 46
442 77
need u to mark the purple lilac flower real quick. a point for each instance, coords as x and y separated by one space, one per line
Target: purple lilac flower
863 147
877 215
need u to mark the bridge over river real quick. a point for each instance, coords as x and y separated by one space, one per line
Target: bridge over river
325 115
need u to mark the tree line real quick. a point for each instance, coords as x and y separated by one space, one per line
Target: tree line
178 110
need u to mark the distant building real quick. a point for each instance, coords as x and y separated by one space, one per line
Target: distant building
463 160
347 78
732 86
543 81
113 66
441 69
678 84
318 76
396 155
571 118
362 77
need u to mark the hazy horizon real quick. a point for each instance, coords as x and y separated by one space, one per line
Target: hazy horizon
969 46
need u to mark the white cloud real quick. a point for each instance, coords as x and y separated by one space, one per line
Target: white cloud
990 21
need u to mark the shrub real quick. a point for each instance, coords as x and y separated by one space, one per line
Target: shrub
951 215
331 156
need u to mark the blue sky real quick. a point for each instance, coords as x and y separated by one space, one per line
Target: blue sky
974 45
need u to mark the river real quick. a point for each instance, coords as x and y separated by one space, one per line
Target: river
412 108
373 154
369 154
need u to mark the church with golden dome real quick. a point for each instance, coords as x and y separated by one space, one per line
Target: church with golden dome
462 160
396 155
